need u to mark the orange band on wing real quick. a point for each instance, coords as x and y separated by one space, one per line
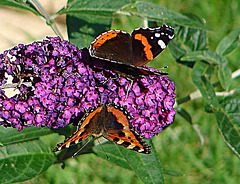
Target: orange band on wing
121 118
147 46
75 138
104 37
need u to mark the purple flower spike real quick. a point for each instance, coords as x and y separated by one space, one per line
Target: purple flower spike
57 83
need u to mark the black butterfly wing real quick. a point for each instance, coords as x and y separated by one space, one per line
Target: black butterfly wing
148 43
113 45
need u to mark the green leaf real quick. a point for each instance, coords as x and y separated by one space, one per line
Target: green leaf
96 8
22 156
111 150
154 12
204 85
67 131
115 156
224 73
171 172
208 56
13 136
182 112
103 8
186 41
146 166
82 30
229 43
90 18
213 58
20 4
23 161
228 120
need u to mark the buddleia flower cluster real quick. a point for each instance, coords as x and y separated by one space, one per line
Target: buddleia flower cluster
56 83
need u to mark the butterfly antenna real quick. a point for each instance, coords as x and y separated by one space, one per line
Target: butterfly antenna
101 98
110 78
83 146
103 150
163 68
131 84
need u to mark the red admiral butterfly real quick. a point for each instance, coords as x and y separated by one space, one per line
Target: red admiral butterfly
132 51
110 121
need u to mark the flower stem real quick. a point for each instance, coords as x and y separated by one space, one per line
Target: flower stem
47 18
196 94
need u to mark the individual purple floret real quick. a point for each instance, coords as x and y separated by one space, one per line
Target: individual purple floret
57 84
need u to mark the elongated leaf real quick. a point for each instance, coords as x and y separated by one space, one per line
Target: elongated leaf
204 85
229 43
186 41
90 18
82 30
112 151
96 8
24 161
184 114
67 131
214 58
158 13
20 4
146 166
144 9
115 156
224 73
12 135
228 120
208 56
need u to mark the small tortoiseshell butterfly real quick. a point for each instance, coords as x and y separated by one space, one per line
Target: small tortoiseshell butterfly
110 121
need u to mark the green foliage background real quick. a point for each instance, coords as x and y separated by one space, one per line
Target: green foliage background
178 147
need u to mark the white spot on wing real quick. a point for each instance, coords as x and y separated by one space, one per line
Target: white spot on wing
170 37
157 35
161 44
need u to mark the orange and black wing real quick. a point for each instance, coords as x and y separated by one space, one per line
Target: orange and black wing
130 140
119 132
77 137
85 129
148 43
113 45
